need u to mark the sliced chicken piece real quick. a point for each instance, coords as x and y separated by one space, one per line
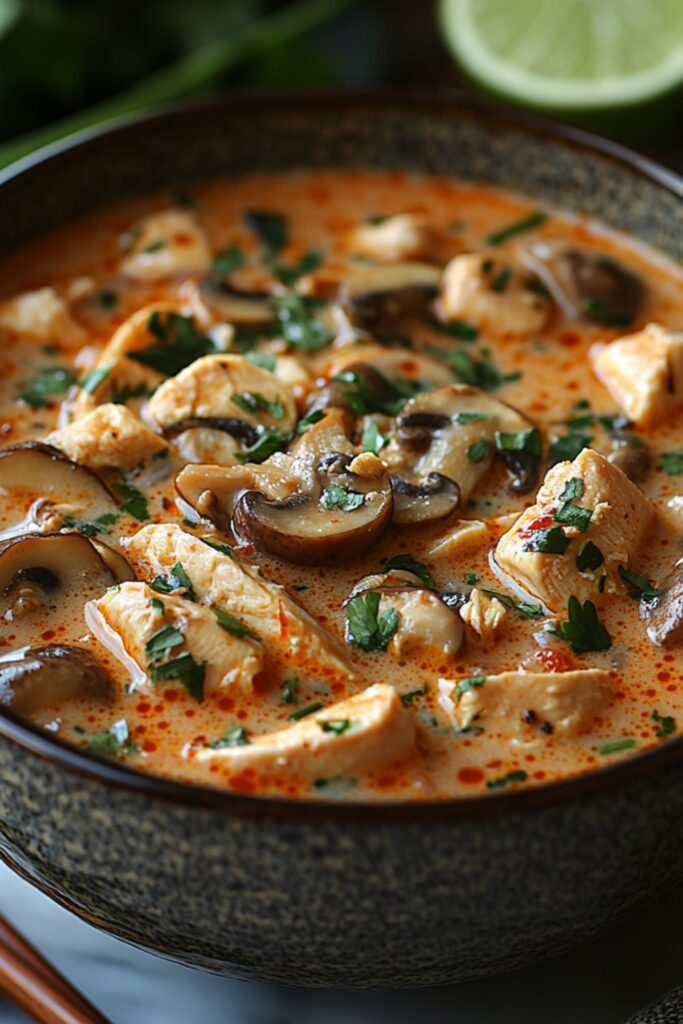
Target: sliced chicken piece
128 618
353 736
406 236
223 388
463 535
522 704
620 517
42 315
485 614
489 292
114 375
643 373
111 436
165 243
290 633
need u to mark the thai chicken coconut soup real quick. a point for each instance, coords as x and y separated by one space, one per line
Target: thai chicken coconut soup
345 485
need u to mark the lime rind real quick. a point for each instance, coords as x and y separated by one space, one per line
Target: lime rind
592 87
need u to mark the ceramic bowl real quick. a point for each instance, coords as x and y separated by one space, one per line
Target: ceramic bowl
336 894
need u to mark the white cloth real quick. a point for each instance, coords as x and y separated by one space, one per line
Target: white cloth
601 984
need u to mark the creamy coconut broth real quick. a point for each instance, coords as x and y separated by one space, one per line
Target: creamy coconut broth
286 536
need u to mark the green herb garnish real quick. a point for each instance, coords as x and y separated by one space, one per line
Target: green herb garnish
134 502
508 780
253 402
228 260
615 746
297 324
533 220
186 670
336 725
289 690
671 462
638 586
553 541
469 683
179 344
309 709
583 632
373 440
589 557
478 450
49 382
234 737
176 579
232 625
366 627
269 227
667 724
410 564
567 447
408 698
341 498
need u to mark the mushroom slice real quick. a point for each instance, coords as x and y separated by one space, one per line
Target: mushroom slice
34 468
41 677
664 613
45 570
448 438
492 294
340 517
394 363
355 735
630 454
236 305
585 283
374 295
406 236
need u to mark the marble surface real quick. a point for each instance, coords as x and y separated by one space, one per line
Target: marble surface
603 983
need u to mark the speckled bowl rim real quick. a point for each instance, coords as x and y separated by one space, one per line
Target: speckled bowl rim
34 740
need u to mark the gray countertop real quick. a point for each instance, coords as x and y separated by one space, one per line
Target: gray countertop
603 983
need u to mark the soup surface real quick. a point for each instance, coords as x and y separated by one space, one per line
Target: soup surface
346 485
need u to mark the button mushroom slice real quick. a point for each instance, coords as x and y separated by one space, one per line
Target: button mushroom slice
492 294
36 470
427 626
212 492
664 613
111 436
528 705
289 633
405 236
237 306
375 295
352 736
643 373
392 362
139 625
585 283
615 518
35 678
341 516
630 454
163 244
451 434
40 315
224 393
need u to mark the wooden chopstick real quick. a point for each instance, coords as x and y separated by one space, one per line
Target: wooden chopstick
31 982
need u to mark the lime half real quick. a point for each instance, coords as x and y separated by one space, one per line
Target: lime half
571 55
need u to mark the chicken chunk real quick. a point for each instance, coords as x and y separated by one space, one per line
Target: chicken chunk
355 735
150 629
462 535
485 614
643 373
613 516
111 436
491 294
42 315
114 374
228 386
522 704
406 236
165 243
289 633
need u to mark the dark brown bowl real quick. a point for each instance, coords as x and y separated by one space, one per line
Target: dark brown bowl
340 894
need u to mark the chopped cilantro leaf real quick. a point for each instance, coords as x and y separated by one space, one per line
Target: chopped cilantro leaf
639 586
95 526
572 489
267 442
157 605
529 611
366 627
528 223
234 737
232 625
508 780
373 440
469 683
264 360
134 502
478 450
471 578
671 462
479 373
217 545
228 260
553 541
177 579
615 746
269 227
458 329
596 309
336 725
501 280
298 326
573 515
408 698
410 564
49 382
253 402
309 709
567 447
289 275
161 642
112 742
583 632
94 378
186 670
308 421
289 688
589 557
179 344
667 724
342 498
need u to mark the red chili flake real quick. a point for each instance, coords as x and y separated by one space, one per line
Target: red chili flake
471 776
540 523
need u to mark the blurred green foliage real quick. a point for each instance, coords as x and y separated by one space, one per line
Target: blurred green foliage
71 63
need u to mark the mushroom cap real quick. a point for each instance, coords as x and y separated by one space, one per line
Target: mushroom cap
236 305
384 292
665 612
37 467
344 515
39 677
